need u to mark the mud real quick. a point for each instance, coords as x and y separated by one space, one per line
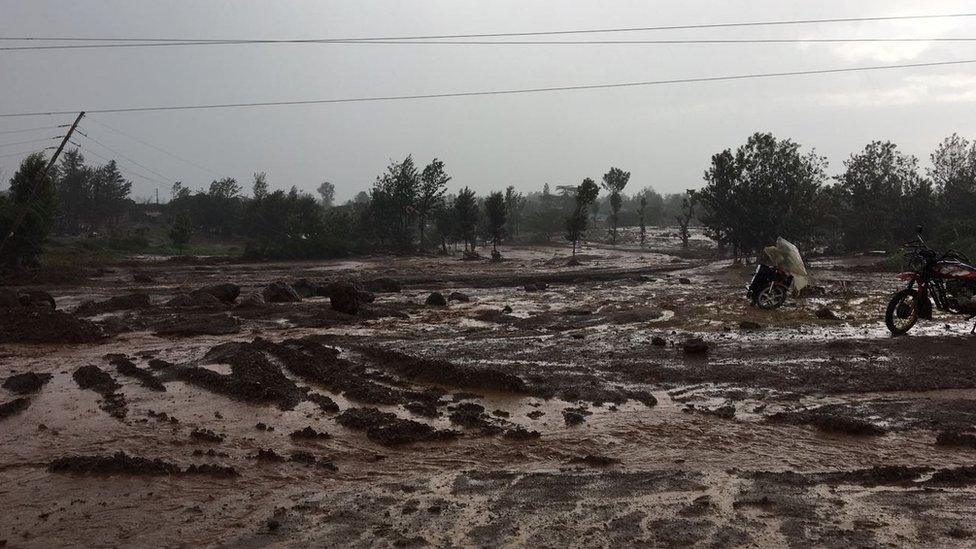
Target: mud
36 325
13 407
570 414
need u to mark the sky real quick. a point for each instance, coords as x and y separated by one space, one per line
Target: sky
663 135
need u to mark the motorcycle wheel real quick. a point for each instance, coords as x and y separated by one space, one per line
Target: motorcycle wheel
902 312
771 296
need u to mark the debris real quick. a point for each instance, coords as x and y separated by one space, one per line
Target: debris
750 325
658 341
536 287
684 280
823 313
41 325
206 435
309 434
956 438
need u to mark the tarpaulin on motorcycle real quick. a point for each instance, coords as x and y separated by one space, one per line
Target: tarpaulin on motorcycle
786 256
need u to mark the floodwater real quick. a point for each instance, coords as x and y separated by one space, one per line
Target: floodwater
554 416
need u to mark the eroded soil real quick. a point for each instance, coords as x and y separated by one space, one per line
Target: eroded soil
544 405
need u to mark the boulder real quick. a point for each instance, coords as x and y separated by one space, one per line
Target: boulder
458 296
536 287
658 341
824 313
306 288
225 292
750 325
383 285
345 298
201 300
436 299
695 346
684 280
507 309
279 292
212 324
251 301
117 303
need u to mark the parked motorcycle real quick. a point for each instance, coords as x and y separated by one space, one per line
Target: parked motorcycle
769 287
947 280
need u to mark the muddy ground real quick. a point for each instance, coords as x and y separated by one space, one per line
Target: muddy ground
544 405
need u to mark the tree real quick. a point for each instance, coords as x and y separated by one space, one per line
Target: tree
687 214
32 201
327 191
765 190
260 187
73 191
614 181
392 205
466 210
433 185
181 231
872 191
643 227
586 193
446 224
953 172
179 191
514 204
495 213
109 193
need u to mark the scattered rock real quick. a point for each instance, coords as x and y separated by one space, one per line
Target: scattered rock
253 300
573 418
458 296
305 288
211 324
279 292
521 433
823 313
26 383
684 280
436 299
309 434
206 435
535 414
506 309
536 287
750 325
226 292
345 298
15 406
695 346
658 341
118 303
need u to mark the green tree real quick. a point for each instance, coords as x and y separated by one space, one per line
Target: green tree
643 227
433 185
73 191
495 214
766 189
327 191
466 210
687 214
109 196
586 194
514 204
392 205
953 173
27 214
614 181
259 189
181 231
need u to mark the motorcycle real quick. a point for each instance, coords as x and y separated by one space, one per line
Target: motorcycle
948 280
769 287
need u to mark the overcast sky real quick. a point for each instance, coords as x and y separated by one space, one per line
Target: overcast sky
664 135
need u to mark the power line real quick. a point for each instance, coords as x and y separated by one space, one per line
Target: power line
25 130
30 141
106 147
129 171
24 153
676 41
504 91
150 145
513 34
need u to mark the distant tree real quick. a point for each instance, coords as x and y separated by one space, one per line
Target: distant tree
495 214
685 217
547 219
181 231
764 190
222 208
226 188
514 204
109 194
614 181
643 227
327 191
32 200
586 194
179 191
74 192
872 190
446 224
260 187
953 172
392 205
433 185
466 210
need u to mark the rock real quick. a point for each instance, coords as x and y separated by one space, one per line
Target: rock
436 299
40 325
695 346
142 278
117 303
306 288
684 280
15 406
750 325
212 324
383 285
536 287
458 296
658 341
956 438
37 298
506 309
471 256
573 418
26 383
345 298
824 313
224 292
573 262
279 292
253 300
201 300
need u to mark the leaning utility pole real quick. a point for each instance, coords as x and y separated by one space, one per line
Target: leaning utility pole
47 169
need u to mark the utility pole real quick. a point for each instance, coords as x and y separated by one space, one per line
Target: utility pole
47 169
157 196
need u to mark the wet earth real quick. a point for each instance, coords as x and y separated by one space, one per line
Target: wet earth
633 399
